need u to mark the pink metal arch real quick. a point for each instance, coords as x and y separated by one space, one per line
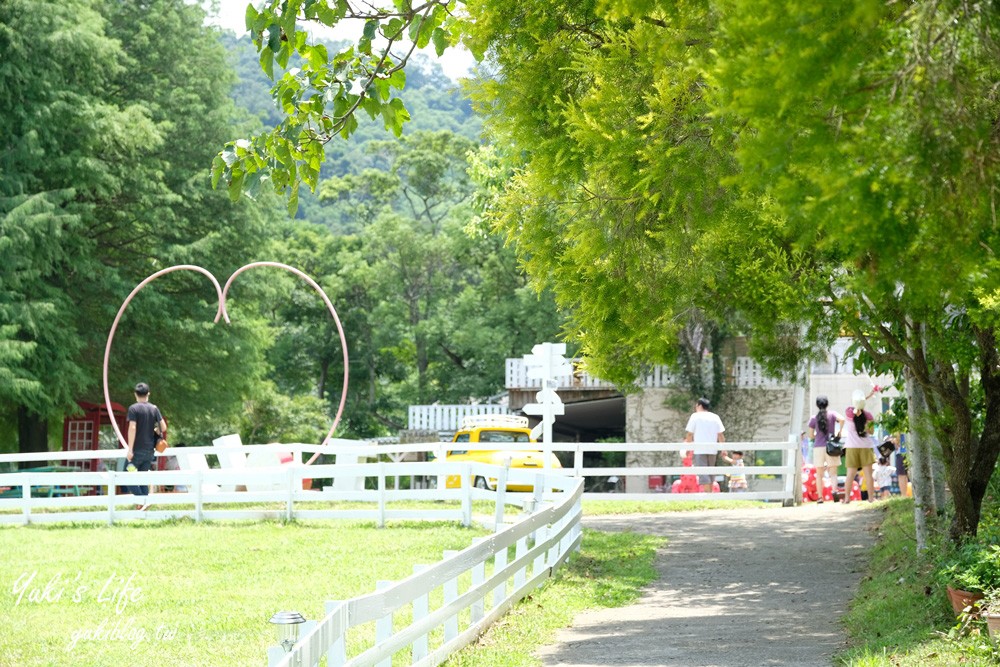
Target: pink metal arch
224 314
336 319
221 312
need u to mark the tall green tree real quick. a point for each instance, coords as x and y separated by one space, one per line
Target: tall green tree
111 112
799 167
56 142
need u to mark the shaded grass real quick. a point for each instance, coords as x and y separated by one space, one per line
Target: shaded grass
900 616
610 571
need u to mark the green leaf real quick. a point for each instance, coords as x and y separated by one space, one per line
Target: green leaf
251 17
267 62
236 184
392 29
398 79
317 56
441 40
293 200
218 167
274 37
284 53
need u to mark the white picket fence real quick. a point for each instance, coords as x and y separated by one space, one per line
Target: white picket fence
448 417
746 373
477 586
95 496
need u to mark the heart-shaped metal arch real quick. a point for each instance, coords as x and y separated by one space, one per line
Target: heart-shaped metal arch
222 313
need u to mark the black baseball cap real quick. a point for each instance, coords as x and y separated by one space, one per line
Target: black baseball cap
141 389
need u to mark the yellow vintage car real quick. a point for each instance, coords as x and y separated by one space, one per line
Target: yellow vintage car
484 437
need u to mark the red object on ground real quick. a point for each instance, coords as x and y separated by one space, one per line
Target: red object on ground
689 483
809 485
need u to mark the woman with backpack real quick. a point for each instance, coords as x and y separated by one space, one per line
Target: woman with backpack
825 426
858 452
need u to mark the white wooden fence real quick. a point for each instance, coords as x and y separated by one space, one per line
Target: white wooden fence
96 496
476 586
746 373
448 417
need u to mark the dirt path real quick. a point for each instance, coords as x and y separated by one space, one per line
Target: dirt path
737 588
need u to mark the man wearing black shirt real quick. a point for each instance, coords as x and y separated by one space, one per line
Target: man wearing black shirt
144 419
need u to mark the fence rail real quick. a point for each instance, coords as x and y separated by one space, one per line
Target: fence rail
476 586
745 372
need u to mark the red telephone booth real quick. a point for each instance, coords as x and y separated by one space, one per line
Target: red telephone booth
82 433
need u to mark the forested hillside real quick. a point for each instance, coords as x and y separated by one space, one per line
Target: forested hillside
113 113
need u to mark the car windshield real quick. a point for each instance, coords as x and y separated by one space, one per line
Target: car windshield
503 436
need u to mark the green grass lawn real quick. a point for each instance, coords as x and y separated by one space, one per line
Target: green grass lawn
180 593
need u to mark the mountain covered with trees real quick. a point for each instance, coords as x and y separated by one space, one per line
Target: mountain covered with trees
113 112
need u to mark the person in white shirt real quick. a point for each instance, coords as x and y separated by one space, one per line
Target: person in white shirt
705 428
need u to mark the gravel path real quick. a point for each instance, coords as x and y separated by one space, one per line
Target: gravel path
737 588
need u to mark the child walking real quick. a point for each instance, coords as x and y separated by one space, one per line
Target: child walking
737 480
883 478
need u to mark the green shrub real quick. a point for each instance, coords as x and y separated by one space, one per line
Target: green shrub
973 567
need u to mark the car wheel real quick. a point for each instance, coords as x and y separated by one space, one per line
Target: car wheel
481 483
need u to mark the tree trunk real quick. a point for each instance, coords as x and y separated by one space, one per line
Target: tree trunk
920 455
971 460
32 432
938 475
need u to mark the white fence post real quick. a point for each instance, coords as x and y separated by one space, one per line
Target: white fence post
467 486
478 608
381 494
501 496
541 535
306 654
499 564
519 552
797 488
421 607
112 495
289 504
440 454
336 654
198 493
450 595
26 498
383 626
275 654
787 461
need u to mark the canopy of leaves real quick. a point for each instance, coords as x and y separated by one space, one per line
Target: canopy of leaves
109 110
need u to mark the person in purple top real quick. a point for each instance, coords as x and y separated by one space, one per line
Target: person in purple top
826 424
